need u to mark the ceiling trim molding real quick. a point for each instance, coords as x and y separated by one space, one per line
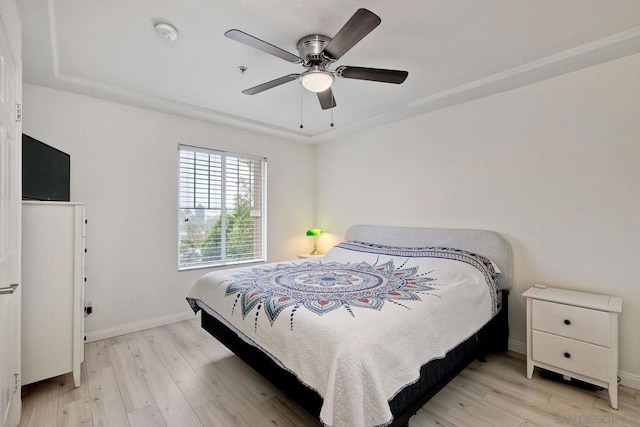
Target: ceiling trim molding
600 51
54 38
121 95
603 50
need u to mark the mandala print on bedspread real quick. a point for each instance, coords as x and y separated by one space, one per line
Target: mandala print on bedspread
324 287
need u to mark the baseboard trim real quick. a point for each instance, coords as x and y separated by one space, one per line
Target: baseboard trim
115 331
626 378
630 380
517 346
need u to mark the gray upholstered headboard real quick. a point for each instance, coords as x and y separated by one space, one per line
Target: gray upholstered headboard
484 242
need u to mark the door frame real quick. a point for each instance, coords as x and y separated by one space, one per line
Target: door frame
11 29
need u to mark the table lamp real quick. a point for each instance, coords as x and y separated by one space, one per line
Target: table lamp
315 232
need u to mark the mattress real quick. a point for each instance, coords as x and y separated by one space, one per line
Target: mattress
357 325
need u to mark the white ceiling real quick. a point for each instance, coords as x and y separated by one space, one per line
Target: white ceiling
454 51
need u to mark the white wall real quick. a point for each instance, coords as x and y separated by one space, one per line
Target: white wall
124 166
554 167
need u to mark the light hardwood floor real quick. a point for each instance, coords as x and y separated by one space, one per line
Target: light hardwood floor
178 375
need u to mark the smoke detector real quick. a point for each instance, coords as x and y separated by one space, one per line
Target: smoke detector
167 31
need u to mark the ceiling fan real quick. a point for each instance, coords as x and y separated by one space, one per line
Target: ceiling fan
317 53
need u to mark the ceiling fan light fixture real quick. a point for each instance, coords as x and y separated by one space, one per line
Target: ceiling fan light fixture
316 79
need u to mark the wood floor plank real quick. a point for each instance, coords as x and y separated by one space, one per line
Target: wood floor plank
141 350
258 387
219 383
466 396
216 414
525 407
187 349
507 383
438 407
173 406
280 413
246 414
74 405
149 416
447 398
68 392
40 405
293 406
133 387
233 377
628 394
483 414
626 399
469 387
177 366
512 370
107 406
572 411
569 391
120 339
195 390
232 394
76 413
425 418
212 348
96 356
193 331
190 350
628 413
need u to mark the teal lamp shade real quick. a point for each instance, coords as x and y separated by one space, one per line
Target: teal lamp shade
314 232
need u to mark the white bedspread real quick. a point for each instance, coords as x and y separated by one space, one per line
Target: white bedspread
357 324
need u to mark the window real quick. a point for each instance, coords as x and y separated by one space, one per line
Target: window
221 208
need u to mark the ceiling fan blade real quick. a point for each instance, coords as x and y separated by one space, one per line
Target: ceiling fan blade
262 45
373 74
357 27
269 85
327 101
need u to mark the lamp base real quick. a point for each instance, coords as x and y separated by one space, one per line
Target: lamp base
316 252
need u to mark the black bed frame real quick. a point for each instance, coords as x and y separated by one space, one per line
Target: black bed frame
434 375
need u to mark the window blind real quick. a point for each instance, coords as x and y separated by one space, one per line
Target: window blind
221 208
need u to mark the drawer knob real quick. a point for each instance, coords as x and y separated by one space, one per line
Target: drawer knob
567 355
567 321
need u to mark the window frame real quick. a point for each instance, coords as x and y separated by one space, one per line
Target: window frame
262 203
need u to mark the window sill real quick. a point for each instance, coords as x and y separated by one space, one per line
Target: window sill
221 266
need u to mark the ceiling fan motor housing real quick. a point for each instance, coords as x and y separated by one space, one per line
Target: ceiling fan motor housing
310 49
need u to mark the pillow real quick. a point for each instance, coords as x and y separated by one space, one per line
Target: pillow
495 267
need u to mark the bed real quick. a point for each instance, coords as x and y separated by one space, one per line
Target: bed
367 334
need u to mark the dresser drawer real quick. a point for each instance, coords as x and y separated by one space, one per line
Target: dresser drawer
575 356
572 322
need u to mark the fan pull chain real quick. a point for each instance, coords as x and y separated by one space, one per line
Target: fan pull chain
301 126
332 117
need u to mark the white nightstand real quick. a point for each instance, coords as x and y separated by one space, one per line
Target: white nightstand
309 256
574 334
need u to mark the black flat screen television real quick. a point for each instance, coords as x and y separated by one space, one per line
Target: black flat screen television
45 171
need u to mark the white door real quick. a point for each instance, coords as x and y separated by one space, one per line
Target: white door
10 205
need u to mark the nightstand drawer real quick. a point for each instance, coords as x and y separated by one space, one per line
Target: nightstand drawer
573 322
575 356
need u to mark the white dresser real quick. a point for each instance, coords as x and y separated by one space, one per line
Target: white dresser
53 253
574 334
